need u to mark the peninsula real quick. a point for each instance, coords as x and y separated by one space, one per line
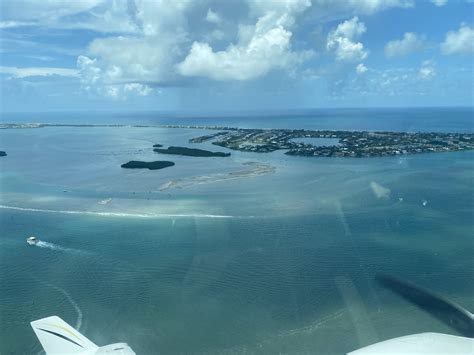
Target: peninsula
191 152
342 143
153 165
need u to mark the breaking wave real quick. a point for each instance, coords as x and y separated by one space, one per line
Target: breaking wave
117 214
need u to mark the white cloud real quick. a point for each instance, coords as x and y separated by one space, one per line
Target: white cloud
213 17
260 48
88 70
123 91
262 54
361 68
150 42
427 70
125 59
139 89
93 80
459 42
37 71
98 15
439 3
410 43
114 66
46 10
341 41
13 24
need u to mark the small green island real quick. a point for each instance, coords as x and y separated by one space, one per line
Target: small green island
2 153
191 152
152 165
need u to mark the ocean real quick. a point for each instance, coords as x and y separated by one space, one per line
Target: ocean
258 253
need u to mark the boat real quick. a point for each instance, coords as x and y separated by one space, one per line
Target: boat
32 241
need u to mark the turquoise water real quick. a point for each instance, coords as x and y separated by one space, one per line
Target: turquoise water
282 262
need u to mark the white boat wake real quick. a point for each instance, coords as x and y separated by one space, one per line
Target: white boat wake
52 246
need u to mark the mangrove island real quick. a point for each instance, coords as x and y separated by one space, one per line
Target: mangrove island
153 165
191 152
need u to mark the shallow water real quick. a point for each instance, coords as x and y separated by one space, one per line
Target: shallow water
282 262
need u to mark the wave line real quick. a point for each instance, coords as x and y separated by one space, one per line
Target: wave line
116 214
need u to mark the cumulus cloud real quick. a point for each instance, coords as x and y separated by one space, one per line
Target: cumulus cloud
120 65
163 55
89 72
125 90
439 3
260 48
152 43
459 42
427 70
410 43
380 191
213 17
361 68
37 71
264 52
342 42
92 78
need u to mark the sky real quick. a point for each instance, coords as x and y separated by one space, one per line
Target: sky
234 55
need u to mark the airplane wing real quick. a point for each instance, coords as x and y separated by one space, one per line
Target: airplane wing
421 344
59 338
450 313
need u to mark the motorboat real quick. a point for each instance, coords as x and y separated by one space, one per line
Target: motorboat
32 241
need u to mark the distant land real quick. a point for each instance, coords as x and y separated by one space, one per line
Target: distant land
356 144
157 145
153 165
2 153
191 152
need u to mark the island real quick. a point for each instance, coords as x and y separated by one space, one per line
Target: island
157 145
153 165
2 153
343 143
191 152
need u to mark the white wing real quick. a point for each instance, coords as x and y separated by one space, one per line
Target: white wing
419 344
57 337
